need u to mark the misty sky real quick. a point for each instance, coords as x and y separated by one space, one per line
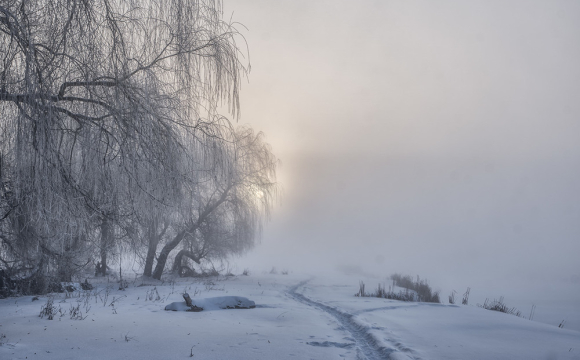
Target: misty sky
433 138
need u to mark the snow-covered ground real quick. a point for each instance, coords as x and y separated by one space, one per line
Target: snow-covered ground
296 317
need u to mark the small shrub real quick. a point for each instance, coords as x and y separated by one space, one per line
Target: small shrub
49 310
499 305
466 297
105 297
273 270
435 298
414 290
152 295
123 284
86 285
196 291
452 297
228 271
284 272
246 272
532 312
210 285
561 326
421 287
403 295
69 288
115 299
361 290
382 292
75 312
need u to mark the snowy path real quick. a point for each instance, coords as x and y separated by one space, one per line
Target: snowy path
365 341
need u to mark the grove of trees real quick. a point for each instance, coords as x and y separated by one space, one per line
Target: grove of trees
111 138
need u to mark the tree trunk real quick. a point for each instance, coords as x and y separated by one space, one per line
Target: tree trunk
65 264
151 248
162 259
179 258
105 244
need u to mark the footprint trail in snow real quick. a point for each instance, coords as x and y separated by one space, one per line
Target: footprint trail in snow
364 340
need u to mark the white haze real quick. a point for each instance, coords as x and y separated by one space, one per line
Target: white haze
432 138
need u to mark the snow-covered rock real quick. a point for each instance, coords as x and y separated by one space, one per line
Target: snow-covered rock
214 303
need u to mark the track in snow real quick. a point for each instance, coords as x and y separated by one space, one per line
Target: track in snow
365 342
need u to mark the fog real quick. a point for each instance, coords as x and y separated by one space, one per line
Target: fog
439 139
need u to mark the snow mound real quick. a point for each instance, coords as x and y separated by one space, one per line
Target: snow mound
214 303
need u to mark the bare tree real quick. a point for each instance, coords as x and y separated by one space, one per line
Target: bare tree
97 98
224 211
